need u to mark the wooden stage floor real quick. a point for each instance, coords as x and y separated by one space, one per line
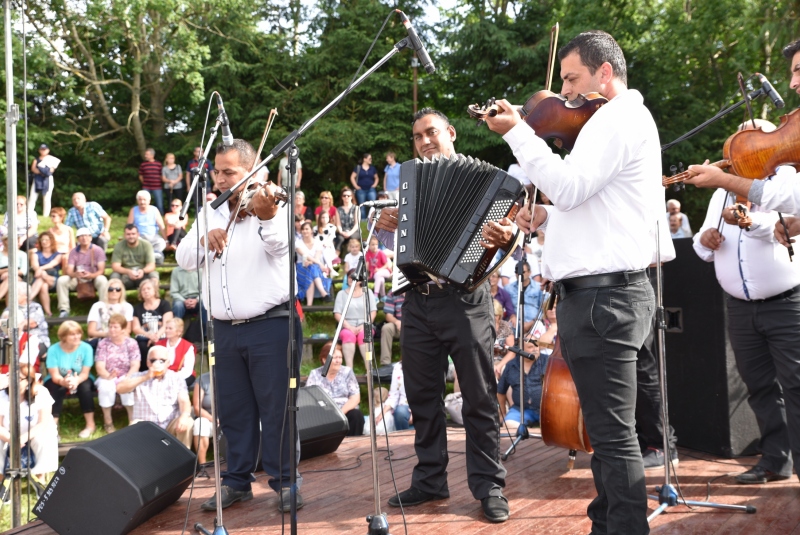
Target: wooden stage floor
544 497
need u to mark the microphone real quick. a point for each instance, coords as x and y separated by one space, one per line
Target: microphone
521 353
227 137
417 45
770 91
380 204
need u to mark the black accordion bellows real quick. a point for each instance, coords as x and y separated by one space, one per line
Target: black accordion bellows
444 203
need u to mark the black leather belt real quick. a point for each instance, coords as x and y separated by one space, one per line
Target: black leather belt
782 295
434 289
278 311
604 280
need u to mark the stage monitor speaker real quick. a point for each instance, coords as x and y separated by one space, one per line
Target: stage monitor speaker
320 422
111 485
707 399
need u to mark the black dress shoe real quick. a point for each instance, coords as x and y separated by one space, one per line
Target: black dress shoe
758 475
414 496
495 508
229 496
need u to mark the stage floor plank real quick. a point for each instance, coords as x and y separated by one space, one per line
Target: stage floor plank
544 497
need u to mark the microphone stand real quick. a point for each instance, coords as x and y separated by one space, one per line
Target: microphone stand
378 525
667 496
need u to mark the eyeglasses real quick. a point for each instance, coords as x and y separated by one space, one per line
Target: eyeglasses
156 360
346 195
115 289
175 204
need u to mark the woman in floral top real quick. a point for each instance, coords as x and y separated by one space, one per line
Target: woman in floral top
101 312
342 387
117 358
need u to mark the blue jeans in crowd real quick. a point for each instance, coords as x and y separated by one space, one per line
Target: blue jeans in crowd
401 416
158 198
364 195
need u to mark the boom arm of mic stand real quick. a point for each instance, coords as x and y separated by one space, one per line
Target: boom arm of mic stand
201 166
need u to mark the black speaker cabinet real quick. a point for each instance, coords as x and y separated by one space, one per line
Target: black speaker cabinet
707 398
111 485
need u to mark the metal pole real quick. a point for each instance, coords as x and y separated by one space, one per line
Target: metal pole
12 118
414 65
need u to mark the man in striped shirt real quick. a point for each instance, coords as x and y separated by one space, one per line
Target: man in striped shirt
150 177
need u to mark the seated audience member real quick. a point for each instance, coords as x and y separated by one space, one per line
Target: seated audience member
176 228
384 419
97 323
27 222
378 266
92 216
311 268
45 265
179 350
501 296
68 365
532 297
184 290
508 271
536 249
676 226
325 233
22 266
546 335
203 427
349 220
150 224
298 223
30 318
117 358
300 207
674 207
326 205
397 402
86 263
504 339
133 259
353 326
393 309
62 234
149 316
534 371
38 432
160 396
342 387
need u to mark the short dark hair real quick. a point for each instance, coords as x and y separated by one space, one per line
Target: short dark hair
430 111
596 47
131 226
791 49
247 154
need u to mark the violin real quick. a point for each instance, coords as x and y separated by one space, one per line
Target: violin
551 116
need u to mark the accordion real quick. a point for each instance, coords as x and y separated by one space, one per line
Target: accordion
444 204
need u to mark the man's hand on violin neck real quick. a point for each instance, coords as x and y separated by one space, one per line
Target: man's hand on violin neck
507 118
792 225
263 204
732 214
711 176
712 239
217 240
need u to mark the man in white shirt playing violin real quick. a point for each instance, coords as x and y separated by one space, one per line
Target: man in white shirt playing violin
607 189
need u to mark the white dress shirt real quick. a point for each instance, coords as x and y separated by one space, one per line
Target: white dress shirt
607 193
749 264
252 276
780 193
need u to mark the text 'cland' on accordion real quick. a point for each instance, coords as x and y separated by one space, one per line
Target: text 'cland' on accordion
444 204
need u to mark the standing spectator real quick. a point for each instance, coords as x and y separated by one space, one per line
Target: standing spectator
192 164
532 296
349 219
342 387
674 207
86 262
176 227
161 397
92 216
97 323
326 205
283 172
184 290
180 352
391 176
133 259
68 365
172 177
117 359
378 266
311 268
502 296
393 309
676 230
45 264
203 425
42 169
150 315
300 207
353 327
150 224
397 399
365 181
150 177
27 223
22 267
62 234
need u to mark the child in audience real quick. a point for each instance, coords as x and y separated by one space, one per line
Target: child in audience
382 411
325 232
351 259
380 268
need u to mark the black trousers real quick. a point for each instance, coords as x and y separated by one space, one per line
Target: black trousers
765 338
648 392
601 331
355 421
84 393
252 381
461 325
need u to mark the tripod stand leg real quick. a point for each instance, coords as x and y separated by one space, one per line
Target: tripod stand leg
571 459
522 434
